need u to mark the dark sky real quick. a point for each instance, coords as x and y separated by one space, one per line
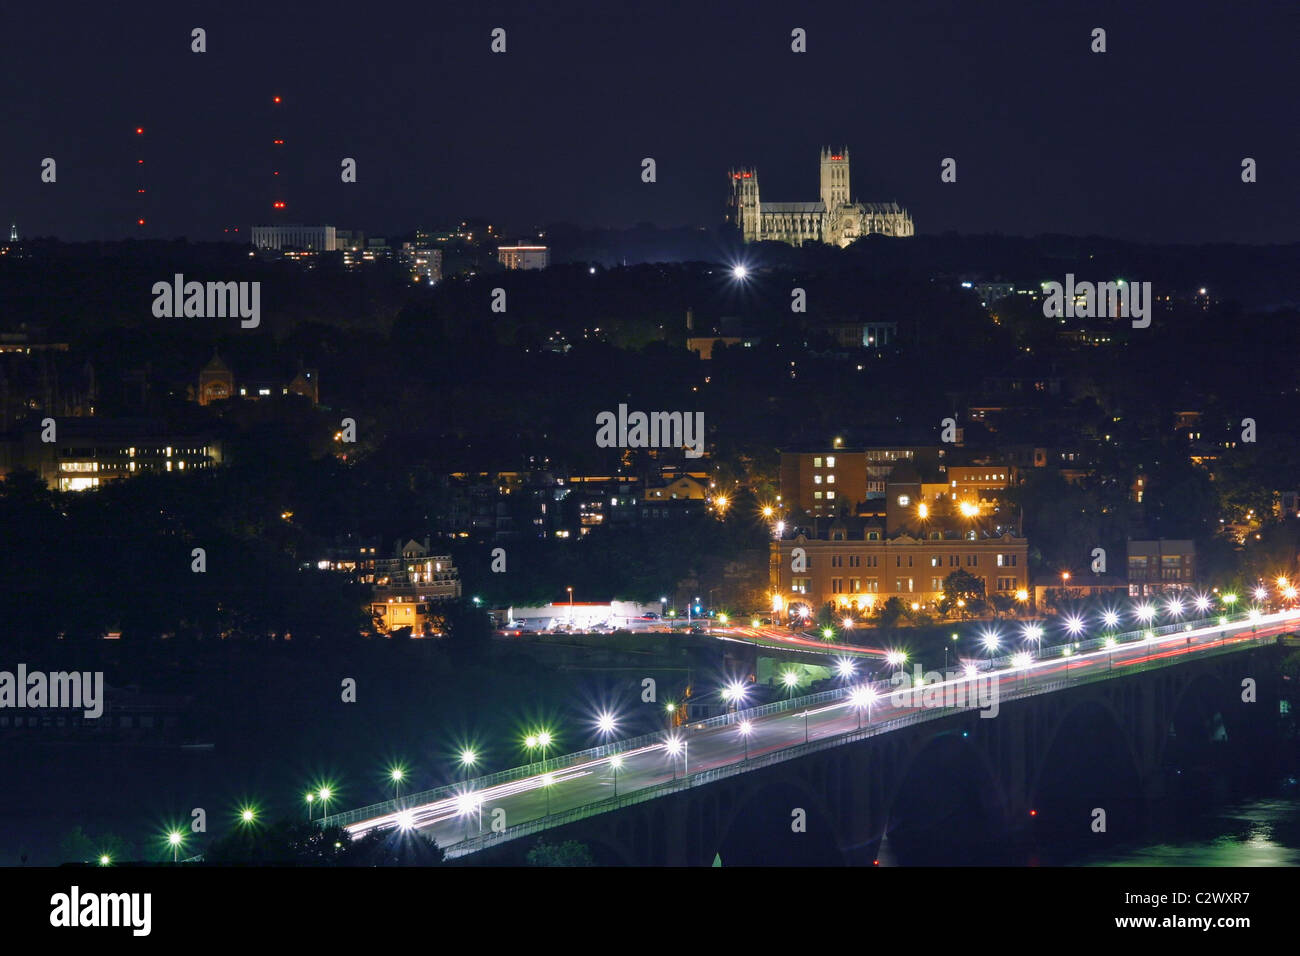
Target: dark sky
1143 142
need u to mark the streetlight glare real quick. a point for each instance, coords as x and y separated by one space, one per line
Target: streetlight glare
739 272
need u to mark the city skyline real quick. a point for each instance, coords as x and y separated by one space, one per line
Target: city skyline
1039 125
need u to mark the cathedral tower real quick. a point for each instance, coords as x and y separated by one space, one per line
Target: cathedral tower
743 208
835 177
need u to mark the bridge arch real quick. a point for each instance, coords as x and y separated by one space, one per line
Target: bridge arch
1195 729
756 829
943 790
1089 761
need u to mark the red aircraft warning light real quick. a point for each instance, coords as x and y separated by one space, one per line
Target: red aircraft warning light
139 222
139 131
278 205
276 100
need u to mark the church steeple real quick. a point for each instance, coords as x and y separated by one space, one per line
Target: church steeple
13 232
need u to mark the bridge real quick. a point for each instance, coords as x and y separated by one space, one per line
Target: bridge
857 761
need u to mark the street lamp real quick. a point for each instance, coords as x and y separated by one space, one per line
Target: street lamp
547 780
311 798
615 764
734 693
676 745
746 728
860 698
325 794
397 775
790 679
606 724
467 760
174 838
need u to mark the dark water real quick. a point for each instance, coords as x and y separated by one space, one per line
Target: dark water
1257 832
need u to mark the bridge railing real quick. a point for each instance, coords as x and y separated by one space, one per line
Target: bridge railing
874 727
882 688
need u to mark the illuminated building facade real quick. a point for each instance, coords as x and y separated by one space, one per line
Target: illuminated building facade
834 219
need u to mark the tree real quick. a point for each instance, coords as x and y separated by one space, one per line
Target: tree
306 844
963 586
569 853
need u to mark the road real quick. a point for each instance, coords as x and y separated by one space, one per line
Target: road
535 795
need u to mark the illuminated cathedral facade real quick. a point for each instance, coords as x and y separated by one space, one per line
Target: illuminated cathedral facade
835 219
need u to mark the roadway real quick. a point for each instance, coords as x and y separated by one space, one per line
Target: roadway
535 795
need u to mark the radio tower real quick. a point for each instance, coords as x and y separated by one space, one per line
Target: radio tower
278 204
139 176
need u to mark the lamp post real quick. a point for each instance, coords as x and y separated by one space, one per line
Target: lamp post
615 762
396 775
745 729
311 798
467 759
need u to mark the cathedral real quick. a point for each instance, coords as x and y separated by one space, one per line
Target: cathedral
835 219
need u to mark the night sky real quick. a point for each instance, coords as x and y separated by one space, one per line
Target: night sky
1143 142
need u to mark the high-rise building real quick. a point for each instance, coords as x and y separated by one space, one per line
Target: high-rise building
312 238
520 256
